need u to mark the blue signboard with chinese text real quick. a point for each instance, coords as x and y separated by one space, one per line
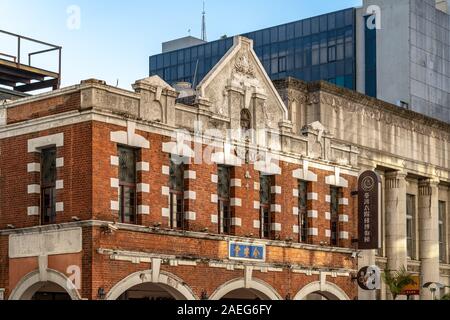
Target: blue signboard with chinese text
247 251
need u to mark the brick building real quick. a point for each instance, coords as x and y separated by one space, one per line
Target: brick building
236 190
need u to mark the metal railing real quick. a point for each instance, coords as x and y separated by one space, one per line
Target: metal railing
17 58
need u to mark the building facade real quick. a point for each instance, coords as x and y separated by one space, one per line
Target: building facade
245 190
135 195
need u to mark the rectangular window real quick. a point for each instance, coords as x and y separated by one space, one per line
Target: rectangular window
176 185
48 186
442 233
265 202
334 215
127 185
223 191
303 210
281 64
410 225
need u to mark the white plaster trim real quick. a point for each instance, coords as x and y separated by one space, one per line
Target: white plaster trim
214 218
275 208
129 137
275 190
235 183
256 186
325 287
313 196
59 207
144 210
336 179
114 183
313 214
328 198
165 191
304 174
165 170
256 205
143 187
143 166
175 285
189 174
343 218
313 232
295 211
115 161
295 229
190 195
33 211
295 193
214 198
59 184
214 178
60 162
34 189
178 148
256 224
189 215
165 212
236 202
236 222
115 205
34 145
33 167
328 233
343 201
276 226
343 235
327 216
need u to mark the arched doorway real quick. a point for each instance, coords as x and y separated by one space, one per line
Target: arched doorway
254 289
142 286
50 291
149 291
54 285
321 291
320 295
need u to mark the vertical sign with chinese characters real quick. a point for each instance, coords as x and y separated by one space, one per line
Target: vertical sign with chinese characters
369 206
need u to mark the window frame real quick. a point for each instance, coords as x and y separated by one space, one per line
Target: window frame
123 185
303 222
46 187
265 212
177 219
411 219
335 193
224 203
442 228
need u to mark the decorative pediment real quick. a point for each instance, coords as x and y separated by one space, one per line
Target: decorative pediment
238 81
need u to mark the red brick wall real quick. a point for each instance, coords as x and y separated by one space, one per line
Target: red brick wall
76 173
43 108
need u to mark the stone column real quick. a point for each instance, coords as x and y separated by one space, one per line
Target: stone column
395 195
429 233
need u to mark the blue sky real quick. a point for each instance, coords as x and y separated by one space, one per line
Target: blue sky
115 38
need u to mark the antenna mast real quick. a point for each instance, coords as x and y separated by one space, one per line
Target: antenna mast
204 37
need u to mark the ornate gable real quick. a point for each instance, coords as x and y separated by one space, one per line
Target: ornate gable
239 82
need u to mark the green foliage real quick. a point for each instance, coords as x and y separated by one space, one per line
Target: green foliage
397 281
446 297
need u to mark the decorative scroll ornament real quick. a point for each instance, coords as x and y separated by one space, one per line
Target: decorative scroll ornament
243 66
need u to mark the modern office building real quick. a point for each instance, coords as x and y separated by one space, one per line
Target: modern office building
402 56
312 49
